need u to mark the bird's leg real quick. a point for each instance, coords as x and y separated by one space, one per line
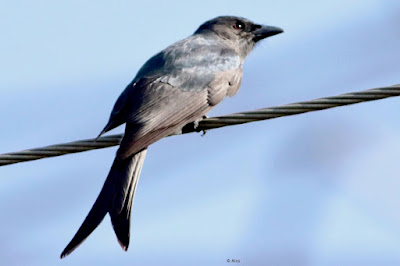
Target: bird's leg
193 126
196 125
190 127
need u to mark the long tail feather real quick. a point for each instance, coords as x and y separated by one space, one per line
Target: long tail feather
120 218
116 198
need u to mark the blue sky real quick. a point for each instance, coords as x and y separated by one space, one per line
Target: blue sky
315 189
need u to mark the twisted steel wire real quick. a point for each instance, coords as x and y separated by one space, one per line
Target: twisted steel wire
209 123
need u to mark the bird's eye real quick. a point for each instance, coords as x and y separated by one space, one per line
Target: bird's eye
239 25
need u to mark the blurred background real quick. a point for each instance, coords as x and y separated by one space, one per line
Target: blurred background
315 189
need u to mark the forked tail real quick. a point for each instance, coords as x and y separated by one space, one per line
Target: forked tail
115 198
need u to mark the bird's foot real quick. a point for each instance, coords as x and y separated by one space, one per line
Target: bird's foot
196 125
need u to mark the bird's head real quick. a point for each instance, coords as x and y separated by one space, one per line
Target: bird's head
238 32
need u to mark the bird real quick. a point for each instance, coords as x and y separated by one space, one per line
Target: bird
175 87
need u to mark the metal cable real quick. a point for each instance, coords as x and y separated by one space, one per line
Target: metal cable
209 123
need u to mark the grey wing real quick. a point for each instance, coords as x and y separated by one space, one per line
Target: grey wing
150 71
160 109
165 109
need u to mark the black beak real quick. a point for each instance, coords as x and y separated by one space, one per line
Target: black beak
262 32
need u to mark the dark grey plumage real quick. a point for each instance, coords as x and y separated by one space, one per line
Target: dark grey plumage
175 87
